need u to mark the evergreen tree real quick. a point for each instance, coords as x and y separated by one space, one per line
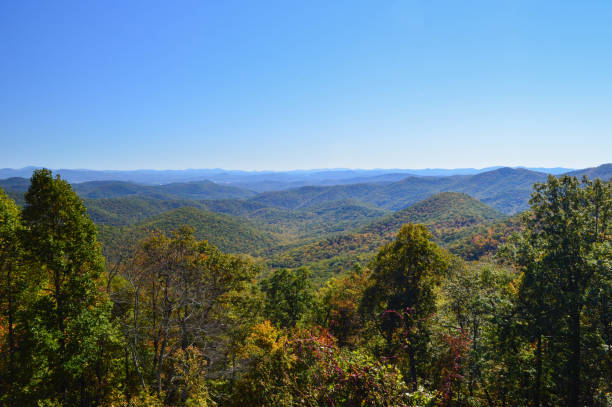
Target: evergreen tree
565 253
68 323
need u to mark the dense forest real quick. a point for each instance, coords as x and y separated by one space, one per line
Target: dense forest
489 289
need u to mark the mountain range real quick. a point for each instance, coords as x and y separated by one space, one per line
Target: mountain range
505 189
325 227
259 181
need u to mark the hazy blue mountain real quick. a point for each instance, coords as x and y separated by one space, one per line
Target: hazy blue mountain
197 190
505 189
258 181
603 172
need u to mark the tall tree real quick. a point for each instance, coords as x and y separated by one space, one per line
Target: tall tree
401 296
564 251
187 298
68 324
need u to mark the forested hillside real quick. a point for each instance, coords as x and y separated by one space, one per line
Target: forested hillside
113 189
505 189
380 315
449 216
229 233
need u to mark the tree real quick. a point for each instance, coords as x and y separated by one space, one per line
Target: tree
564 252
338 306
187 299
474 300
401 295
13 283
70 336
289 295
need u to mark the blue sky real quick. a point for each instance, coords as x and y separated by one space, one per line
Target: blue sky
305 84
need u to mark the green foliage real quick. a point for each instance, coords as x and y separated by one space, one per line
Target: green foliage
401 295
229 233
484 240
308 369
182 304
416 327
565 253
339 302
70 342
450 217
477 300
13 290
288 296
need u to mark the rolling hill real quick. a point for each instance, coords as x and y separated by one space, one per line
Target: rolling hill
326 218
445 214
505 189
128 210
603 172
198 190
450 216
228 233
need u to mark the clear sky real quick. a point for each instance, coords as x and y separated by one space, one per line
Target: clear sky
305 84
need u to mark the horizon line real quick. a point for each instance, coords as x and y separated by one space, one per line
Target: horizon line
305 169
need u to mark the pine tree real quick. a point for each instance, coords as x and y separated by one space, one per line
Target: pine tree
69 329
565 253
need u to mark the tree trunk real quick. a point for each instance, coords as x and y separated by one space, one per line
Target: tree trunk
575 359
538 384
62 340
413 372
11 338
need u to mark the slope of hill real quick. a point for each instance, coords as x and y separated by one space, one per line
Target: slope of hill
603 172
329 217
446 214
15 188
114 189
484 239
127 210
505 189
184 190
228 233
450 216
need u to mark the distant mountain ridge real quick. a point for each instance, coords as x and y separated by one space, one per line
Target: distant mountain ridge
505 189
113 189
258 181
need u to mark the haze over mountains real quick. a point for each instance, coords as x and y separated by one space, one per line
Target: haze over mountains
257 180
505 189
